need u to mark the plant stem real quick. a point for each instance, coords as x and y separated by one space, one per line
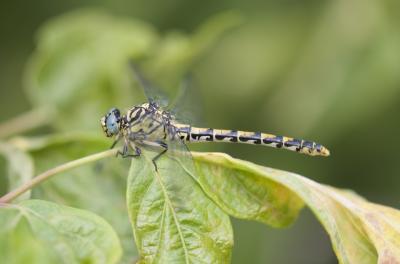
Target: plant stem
48 174
26 121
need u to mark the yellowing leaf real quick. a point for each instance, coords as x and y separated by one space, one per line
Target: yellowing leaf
360 231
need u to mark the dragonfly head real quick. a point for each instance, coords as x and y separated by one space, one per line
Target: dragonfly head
111 122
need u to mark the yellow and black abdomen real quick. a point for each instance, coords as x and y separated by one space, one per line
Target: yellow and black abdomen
197 134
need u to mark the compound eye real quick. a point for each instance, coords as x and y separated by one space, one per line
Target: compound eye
115 112
112 121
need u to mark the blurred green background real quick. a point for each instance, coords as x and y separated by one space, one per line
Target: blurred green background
328 71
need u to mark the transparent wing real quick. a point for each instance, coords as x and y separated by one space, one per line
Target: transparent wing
187 104
179 156
152 92
186 83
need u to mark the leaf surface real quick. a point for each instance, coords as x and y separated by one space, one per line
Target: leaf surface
98 187
37 231
20 167
172 218
360 231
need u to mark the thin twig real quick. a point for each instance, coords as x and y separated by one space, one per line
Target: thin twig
26 121
47 174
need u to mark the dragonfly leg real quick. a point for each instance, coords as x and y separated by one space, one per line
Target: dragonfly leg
163 145
137 153
115 142
125 152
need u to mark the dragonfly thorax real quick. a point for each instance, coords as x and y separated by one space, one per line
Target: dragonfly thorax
148 121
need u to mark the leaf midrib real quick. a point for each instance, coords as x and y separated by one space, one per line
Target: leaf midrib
171 207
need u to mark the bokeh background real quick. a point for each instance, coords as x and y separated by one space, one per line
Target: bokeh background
328 71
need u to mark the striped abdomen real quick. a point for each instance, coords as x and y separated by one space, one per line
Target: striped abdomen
196 134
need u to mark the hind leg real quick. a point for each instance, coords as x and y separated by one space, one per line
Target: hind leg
156 144
165 148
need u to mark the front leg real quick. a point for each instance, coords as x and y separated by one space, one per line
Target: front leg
115 141
125 151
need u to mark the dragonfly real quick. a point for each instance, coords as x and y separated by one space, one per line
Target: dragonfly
152 125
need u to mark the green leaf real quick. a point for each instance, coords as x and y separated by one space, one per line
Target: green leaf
20 167
81 59
35 231
177 51
99 187
172 218
360 231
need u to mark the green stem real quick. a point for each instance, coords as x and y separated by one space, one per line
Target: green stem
26 121
47 174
